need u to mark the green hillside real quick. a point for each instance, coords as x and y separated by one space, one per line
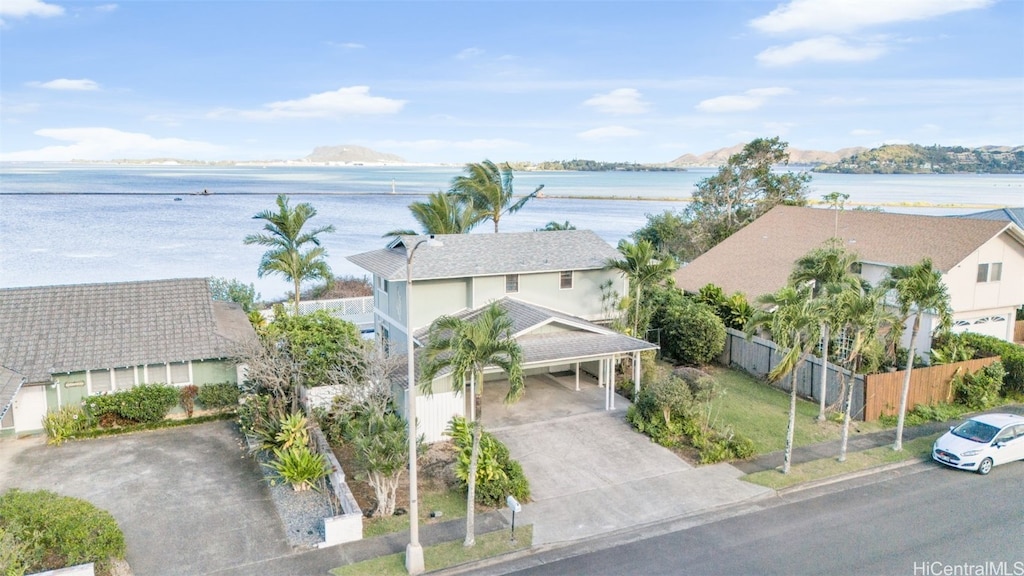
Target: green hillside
917 159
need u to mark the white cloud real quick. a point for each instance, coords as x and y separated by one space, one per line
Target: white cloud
354 100
469 53
619 101
346 45
822 49
864 132
24 8
608 133
81 84
109 143
845 16
750 100
106 7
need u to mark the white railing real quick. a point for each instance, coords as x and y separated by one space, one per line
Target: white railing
358 311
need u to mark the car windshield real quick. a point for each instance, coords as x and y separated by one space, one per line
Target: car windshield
976 431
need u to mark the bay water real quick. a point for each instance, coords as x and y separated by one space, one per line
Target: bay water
79 223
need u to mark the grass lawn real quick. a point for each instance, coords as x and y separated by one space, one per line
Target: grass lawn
760 412
451 504
443 555
828 467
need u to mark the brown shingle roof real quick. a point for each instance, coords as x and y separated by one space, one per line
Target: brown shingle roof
51 329
759 258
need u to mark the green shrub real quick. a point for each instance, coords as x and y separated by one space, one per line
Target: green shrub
12 554
260 416
979 390
143 403
691 333
1011 355
59 531
294 432
497 474
298 466
65 424
923 414
220 395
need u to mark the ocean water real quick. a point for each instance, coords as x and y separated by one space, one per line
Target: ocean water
76 223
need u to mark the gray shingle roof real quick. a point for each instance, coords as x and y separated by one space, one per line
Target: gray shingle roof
465 255
578 339
1015 215
759 258
52 329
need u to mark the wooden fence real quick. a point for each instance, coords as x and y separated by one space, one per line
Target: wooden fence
1018 331
930 385
758 356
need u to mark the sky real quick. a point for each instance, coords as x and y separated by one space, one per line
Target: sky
455 82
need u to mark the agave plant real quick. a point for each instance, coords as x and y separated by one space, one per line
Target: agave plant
298 466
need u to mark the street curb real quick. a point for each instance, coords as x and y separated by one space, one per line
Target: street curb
850 476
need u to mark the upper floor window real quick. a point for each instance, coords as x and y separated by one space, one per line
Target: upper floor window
511 283
565 279
382 284
991 272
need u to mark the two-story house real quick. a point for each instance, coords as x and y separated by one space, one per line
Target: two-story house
553 285
981 260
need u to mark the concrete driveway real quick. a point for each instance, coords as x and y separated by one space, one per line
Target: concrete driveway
188 499
590 473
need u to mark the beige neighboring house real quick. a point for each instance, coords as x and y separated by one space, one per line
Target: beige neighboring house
981 260
60 344
551 284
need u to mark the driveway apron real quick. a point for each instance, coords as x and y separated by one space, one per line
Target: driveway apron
188 499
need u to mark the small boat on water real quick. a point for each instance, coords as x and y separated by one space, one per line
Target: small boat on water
205 192
177 199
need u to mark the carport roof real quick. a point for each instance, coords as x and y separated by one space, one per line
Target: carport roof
10 383
574 339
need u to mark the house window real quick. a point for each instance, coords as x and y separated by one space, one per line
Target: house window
124 378
100 380
992 272
511 283
382 284
179 373
565 280
856 268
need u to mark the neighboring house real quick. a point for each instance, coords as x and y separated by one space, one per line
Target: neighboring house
981 260
551 284
1015 215
63 343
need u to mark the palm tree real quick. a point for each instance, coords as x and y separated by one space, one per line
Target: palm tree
827 270
792 317
442 213
554 226
285 236
466 347
489 189
644 267
919 289
863 318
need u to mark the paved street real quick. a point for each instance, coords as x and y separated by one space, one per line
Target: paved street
922 518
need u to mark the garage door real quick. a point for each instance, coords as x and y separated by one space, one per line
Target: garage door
29 408
988 325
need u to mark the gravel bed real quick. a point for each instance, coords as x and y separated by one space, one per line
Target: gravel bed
301 513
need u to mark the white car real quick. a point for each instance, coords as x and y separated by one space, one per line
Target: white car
982 442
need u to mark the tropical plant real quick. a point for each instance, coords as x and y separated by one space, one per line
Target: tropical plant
293 432
287 254
488 189
317 343
234 291
497 474
644 267
465 347
792 316
919 289
979 390
298 466
64 424
827 271
442 213
381 443
554 226
862 319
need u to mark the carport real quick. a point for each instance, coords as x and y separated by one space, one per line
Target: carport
559 352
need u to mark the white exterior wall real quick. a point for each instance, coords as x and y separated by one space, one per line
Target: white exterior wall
967 294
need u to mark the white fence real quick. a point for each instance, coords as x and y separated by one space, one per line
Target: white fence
358 311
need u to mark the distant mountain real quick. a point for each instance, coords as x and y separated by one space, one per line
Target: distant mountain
796 156
352 155
917 159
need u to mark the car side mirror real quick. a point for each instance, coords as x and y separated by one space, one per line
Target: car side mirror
1000 444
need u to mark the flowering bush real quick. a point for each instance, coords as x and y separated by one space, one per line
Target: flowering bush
65 424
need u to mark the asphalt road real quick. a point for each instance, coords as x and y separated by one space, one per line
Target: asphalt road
926 521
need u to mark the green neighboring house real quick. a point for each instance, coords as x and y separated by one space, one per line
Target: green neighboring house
59 344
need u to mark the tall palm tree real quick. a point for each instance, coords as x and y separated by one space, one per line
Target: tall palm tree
792 317
466 347
863 318
554 226
284 235
644 267
489 189
442 213
827 270
919 289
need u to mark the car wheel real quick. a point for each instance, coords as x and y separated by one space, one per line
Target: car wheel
985 467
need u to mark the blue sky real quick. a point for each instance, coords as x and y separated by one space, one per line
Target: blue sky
463 81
